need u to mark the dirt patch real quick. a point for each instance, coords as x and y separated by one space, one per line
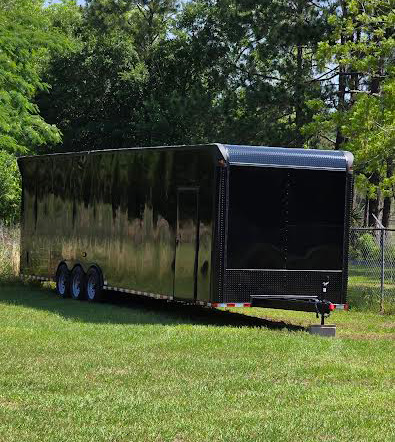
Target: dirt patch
10 405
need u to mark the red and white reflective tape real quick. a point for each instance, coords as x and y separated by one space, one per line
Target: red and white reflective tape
229 304
341 306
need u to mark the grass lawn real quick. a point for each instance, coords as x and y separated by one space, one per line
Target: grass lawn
141 370
364 294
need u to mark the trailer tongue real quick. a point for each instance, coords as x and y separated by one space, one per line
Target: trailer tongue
321 307
317 304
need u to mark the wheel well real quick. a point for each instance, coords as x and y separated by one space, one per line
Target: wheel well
99 271
86 270
78 265
61 264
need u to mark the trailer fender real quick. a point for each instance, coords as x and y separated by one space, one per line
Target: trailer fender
99 270
72 263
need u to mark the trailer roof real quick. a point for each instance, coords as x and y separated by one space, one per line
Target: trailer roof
244 155
288 157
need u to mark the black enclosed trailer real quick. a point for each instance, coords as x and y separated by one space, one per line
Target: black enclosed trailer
212 224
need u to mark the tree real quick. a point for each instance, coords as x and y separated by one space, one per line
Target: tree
105 100
154 72
282 65
361 54
10 188
25 39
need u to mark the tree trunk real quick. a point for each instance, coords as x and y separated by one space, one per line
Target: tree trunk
299 86
388 200
354 76
374 204
342 85
386 211
341 106
299 92
366 211
375 179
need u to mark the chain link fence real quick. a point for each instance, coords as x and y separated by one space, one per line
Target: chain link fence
372 265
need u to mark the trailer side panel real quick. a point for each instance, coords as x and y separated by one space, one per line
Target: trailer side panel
117 209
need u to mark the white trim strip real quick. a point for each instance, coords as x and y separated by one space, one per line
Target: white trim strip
35 277
284 270
137 292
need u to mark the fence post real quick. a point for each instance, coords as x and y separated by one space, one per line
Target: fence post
382 270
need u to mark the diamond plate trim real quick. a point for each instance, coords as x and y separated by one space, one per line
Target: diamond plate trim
239 285
287 157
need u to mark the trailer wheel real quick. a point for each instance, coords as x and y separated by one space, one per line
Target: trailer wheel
63 281
77 283
94 285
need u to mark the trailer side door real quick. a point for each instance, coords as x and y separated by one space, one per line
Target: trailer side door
187 243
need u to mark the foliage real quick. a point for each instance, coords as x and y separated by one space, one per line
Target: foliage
29 35
361 52
25 39
365 246
10 188
370 129
122 73
190 73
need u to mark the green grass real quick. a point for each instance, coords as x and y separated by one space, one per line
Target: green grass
137 370
363 294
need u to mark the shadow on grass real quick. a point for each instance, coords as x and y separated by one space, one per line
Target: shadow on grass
129 309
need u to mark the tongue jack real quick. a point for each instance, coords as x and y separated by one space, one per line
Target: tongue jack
323 306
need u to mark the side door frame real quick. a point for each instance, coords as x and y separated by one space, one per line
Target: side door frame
178 239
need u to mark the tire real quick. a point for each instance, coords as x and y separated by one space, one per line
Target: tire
77 283
63 281
94 285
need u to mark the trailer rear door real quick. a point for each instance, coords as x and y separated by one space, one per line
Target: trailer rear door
284 219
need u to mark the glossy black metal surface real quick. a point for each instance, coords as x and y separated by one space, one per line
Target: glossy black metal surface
256 218
189 221
294 219
285 232
118 209
187 243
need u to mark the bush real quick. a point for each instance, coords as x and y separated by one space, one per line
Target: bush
10 189
365 246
